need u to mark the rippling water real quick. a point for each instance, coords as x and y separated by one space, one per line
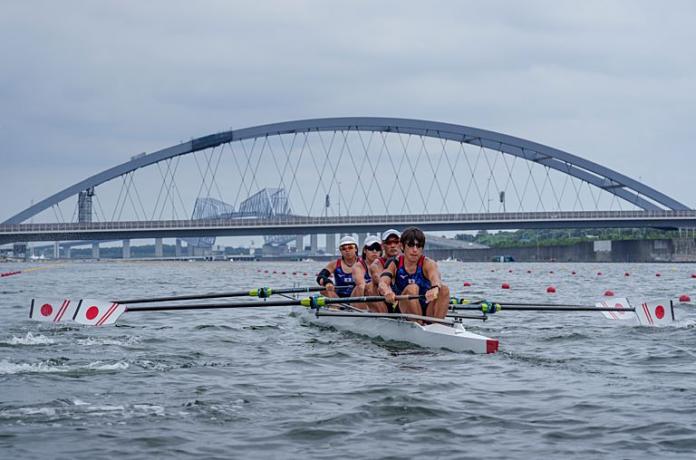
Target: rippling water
257 384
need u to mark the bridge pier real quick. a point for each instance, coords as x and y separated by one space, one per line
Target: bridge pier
95 250
126 249
158 247
177 248
361 241
56 249
331 243
67 251
299 243
314 243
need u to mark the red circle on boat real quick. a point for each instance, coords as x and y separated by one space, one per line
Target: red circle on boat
660 312
46 309
91 312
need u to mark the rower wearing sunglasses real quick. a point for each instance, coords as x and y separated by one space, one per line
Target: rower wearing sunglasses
414 274
343 277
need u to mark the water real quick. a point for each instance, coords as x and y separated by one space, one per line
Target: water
257 384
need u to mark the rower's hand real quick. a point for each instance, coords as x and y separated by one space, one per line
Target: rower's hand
431 294
329 287
390 297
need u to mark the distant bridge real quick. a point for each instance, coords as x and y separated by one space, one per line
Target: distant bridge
345 175
313 225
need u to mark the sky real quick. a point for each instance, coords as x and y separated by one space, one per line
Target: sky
85 85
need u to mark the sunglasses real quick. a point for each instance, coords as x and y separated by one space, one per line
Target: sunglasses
414 244
374 247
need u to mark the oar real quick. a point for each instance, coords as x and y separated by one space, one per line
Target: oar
262 293
101 312
462 301
514 307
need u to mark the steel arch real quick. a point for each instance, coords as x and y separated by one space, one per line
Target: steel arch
588 171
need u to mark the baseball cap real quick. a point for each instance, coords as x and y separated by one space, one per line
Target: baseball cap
390 232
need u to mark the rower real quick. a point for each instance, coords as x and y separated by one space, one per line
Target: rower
391 247
344 276
372 250
414 274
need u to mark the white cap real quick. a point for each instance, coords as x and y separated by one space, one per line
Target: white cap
347 240
370 240
389 233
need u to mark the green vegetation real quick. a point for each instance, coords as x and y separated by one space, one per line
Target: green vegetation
560 237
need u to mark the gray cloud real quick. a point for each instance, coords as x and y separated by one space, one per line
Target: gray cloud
85 85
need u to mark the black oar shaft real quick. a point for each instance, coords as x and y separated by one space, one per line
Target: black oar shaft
210 306
217 295
383 315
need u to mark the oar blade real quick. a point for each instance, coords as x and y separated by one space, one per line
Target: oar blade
95 312
656 313
618 303
52 310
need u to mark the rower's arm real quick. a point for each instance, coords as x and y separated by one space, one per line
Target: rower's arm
386 277
323 278
358 276
432 273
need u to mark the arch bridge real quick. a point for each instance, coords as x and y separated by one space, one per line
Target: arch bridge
374 169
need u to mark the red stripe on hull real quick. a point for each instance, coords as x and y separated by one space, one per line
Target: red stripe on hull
491 346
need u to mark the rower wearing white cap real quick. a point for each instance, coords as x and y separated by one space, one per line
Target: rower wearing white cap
343 277
391 247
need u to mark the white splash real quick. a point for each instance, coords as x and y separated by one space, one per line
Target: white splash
7 367
29 339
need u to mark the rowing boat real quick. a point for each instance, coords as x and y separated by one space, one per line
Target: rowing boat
452 336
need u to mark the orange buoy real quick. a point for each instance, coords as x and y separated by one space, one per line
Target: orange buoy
684 298
505 286
609 293
550 289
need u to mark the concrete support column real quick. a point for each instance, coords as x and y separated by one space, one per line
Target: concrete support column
361 241
189 250
126 249
56 250
158 247
95 250
177 248
299 243
314 243
67 252
331 243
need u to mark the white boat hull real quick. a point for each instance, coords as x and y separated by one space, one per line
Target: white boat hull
455 338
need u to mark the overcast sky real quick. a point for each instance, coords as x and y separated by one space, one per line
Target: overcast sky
84 85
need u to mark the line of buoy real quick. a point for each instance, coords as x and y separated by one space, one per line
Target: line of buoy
2 275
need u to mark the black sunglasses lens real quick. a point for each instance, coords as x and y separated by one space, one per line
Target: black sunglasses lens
375 247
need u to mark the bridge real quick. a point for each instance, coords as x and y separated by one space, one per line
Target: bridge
344 175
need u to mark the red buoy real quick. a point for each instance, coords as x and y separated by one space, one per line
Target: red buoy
609 293
305 274
573 272
599 273
529 271
627 274
658 275
550 289
510 271
551 271
684 298
693 275
505 286
466 284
